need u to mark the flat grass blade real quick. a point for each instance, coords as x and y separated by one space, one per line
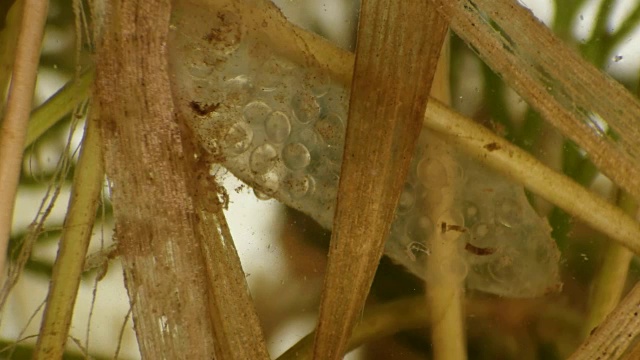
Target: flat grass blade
396 56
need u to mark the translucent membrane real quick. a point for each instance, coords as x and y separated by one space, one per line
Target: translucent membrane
280 127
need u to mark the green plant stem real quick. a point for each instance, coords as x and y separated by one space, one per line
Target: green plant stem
496 152
602 41
565 14
629 25
14 125
59 105
378 321
602 19
74 242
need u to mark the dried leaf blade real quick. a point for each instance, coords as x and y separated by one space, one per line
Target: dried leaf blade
396 57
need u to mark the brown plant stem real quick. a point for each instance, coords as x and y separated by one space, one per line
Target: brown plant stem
186 287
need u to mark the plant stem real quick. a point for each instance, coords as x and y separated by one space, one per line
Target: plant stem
57 106
8 43
612 276
187 290
74 242
14 125
494 151
445 290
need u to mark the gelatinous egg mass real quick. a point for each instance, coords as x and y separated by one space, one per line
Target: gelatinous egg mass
280 127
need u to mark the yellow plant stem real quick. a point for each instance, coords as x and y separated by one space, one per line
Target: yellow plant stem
8 43
14 125
76 235
515 163
612 276
445 292
445 288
